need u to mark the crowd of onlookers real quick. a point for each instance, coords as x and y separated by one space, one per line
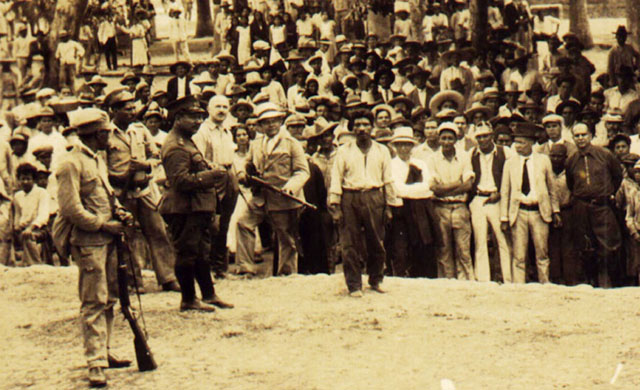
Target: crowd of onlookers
515 163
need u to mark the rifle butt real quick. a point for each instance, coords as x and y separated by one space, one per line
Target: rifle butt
144 357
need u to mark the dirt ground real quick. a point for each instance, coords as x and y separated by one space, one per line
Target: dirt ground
304 332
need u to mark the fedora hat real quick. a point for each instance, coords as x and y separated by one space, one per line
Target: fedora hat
254 79
527 130
241 103
403 134
322 126
568 103
129 76
175 65
89 120
118 95
475 108
622 30
442 96
268 110
401 99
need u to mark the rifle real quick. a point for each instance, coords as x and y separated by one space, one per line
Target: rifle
277 190
144 357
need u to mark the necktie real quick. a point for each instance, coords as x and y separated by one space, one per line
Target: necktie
525 178
586 168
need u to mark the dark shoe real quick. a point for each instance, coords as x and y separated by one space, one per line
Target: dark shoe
216 301
376 288
196 306
116 362
171 286
97 377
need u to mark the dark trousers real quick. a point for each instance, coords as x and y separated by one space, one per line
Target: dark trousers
191 236
411 257
363 227
313 259
566 264
110 50
219 255
597 235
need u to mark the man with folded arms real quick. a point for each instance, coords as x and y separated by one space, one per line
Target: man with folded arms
451 181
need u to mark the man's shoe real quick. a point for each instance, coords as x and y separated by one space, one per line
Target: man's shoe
171 286
216 301
376 288
356 294
97 377
116 362
220 275
196 305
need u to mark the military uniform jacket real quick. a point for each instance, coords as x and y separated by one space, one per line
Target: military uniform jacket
190 181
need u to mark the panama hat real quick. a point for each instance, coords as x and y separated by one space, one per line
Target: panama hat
442 96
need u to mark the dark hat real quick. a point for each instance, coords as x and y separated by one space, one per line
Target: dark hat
26 167
558 149
568 103
621 30
381 72
118 95
527 130
174 66
630 159
187 104
586 113
619 137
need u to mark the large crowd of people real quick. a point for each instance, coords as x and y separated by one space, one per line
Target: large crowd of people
423 156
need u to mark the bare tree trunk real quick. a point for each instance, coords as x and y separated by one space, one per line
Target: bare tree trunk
579 22
204 26
633 22
67 17
479 10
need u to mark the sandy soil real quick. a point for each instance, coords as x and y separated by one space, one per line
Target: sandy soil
304 332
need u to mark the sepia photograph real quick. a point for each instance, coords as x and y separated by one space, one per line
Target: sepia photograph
320 194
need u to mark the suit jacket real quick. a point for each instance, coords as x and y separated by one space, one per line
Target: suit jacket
541 181
172 88
190 181
284 166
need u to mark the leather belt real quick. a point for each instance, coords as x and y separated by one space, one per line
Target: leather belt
446 202
361 190
485 193
530 207
600 201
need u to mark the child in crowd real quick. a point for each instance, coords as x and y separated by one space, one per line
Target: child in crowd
31 213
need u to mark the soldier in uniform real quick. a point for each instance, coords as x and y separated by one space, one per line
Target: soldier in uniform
130 147
87 203
188 204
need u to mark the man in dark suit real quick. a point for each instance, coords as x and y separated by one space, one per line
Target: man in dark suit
189 203
178 86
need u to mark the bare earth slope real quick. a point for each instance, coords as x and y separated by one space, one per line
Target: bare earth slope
304 332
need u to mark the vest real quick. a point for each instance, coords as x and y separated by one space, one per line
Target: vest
496 168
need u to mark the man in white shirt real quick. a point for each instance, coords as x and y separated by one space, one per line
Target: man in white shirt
411 227
451 181
528 203
487 161
69 53
360 197
215 142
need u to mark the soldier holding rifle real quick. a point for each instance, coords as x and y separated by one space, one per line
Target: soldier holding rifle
85 197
